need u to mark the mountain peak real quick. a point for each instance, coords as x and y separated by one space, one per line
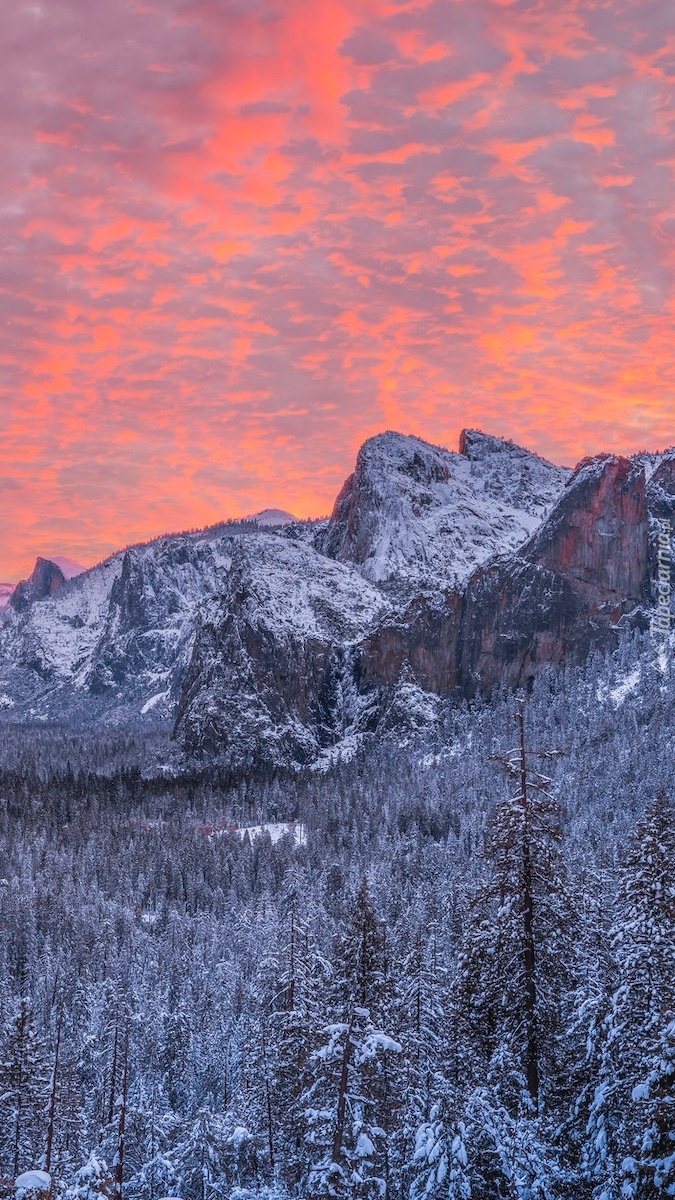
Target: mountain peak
273 517
416 514
45 579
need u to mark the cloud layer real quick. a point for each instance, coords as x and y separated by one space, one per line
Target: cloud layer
239 237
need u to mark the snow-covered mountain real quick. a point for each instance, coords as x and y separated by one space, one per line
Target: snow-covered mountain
418 516
68 566
438 574
271 517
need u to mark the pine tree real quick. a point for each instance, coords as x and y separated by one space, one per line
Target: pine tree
516 973
93 1181
634 1080
23 1092
354 1101
293 1029
654 1167
199 1157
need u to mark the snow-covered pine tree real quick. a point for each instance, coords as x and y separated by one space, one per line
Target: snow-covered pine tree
294 1035
635 1080
654 1167
93 1181
434 1138
516 972
199 1157
175 1047
516 977
353 1105
24 1088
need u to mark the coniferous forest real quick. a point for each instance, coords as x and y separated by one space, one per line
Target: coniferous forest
453 977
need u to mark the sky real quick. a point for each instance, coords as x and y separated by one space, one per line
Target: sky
240 236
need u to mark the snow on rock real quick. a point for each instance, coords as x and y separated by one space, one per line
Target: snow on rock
119 634
267 670
272 517
32 1183
6 590
288 643
154 701
417 515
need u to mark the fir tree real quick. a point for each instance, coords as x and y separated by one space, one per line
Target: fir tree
23 1092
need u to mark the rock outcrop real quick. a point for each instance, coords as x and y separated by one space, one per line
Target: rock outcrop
565 590
597 534
46 579
568 588
270 672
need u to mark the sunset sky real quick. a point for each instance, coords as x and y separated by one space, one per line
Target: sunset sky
240 236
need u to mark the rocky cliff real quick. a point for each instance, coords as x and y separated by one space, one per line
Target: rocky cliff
46 579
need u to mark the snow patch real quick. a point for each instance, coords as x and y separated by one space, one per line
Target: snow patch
276 830
32 1181
620 691
154 701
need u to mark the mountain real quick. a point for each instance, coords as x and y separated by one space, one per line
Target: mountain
438 575
46 579
415 516
273 517
6 590
68 566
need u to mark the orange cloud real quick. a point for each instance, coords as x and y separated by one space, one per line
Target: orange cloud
239 239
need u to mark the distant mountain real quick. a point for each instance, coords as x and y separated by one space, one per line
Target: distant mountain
68 566
46 579
273 517
438 575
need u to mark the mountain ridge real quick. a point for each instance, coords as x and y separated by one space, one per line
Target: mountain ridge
438 574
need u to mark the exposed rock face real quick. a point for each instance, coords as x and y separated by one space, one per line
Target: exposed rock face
420 644
518 619
597 534
45 580
566 590
149 624
269 672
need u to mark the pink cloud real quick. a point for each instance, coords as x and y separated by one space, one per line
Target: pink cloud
239 238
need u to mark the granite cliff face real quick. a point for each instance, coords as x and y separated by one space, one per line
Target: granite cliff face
568 588
597 534
564 590
269 671
46 579
439 575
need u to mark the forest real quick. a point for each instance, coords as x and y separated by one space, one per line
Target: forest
460 984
